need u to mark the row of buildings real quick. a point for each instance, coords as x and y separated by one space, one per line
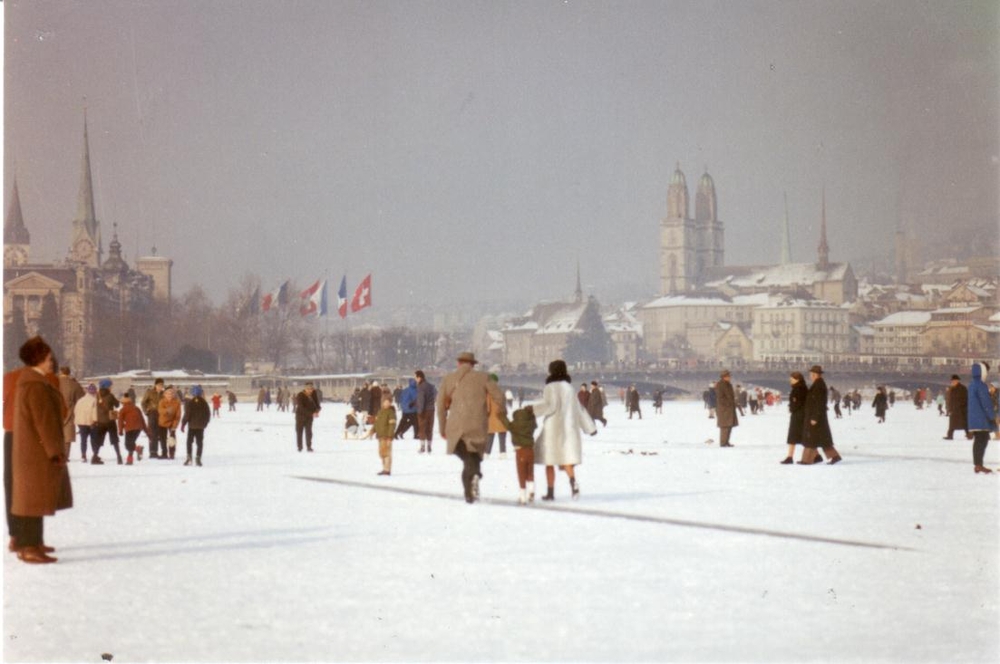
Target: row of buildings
784 313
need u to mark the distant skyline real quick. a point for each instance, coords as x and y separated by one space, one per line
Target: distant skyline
474 151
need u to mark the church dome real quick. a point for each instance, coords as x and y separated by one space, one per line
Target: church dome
706 184
678 177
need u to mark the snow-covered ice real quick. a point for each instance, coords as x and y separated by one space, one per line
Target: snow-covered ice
677 551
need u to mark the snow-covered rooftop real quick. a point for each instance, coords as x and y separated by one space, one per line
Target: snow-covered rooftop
905 318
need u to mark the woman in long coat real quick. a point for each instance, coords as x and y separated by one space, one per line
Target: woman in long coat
41 479
797 409
559 442
816 429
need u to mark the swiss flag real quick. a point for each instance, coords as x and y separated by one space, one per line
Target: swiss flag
313 299
363 295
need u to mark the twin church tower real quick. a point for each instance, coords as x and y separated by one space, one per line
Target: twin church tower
690 248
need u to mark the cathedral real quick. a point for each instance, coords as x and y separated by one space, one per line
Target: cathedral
89 307
689 248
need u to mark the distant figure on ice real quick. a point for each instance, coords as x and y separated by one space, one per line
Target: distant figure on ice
71 393
231 398
559 443
426 396
982 415
633 402
583 395
462 418
216 404
596 403
881 404
725 405
130 424
797 412
169 414
816 433
658 401
351 425
196 419
408 406
85 413
306 410
385 431
957 401
711 399
107 421
835 400
260 399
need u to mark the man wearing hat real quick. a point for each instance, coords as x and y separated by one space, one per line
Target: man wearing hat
463 415
816 430
725 408
957 399
306 410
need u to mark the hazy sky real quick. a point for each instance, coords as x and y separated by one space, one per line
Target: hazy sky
476 150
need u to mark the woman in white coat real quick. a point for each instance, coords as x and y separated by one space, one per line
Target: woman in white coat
563 419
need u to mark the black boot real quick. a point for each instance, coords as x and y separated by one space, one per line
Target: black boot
576 487
550 494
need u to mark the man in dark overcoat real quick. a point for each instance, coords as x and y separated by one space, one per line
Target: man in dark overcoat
958 408
816 432
725 408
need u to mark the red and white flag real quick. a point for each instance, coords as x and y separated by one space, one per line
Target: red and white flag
314 299
363 295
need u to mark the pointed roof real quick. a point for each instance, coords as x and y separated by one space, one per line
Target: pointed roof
824 248
85 198
579 287
14 230
786 238
115 262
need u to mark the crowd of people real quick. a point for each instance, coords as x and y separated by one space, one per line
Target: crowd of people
44 412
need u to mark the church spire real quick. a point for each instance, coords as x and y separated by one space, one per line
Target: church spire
85 246
14 230
579 287
786 238
824 248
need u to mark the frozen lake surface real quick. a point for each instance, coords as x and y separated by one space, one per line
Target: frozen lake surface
676 551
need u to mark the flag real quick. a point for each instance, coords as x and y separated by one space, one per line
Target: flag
363 295
276 297
314 299
342 298
252 307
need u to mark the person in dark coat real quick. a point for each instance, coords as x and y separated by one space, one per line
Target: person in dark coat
107 421
306 410
633 402
958 408
816 428
196 417
426 397
881 404
41 483
797 410
982 415
725 408
596 403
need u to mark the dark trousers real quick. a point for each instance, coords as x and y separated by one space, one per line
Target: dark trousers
130 438
980 439
111 431
724 435
951 432
470 467
86 433
409 420
503 442
153 420
29 531
195 436
304 424
425 425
